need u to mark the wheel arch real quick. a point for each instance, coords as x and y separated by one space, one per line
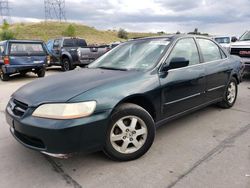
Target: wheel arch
234 75
66 55
140 100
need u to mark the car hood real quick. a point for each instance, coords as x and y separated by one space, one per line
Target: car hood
64 86
240 44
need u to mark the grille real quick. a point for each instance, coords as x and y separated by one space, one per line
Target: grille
18 108
236 51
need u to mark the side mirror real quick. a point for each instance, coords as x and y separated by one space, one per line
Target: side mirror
178 62
234 39
55 46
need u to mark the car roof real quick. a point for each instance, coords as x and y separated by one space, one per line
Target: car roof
221 36
20 40
171 37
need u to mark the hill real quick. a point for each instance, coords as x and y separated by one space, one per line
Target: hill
48 30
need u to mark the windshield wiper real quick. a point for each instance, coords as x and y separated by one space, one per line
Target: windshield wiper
113 68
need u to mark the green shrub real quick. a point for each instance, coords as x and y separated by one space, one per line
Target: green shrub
6 33
70 31
122 34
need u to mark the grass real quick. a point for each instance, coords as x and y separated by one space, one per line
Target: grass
48 30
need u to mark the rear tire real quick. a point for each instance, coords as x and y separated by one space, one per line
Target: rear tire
41 72
230 95
3 76
130 133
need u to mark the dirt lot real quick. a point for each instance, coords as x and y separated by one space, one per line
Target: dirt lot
209 148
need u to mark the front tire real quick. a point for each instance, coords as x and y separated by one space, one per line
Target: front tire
230 94
66 65
130 133
23 73
41 72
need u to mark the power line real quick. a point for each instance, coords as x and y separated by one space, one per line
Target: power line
55 10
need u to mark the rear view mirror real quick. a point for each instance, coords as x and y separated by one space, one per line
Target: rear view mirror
178 62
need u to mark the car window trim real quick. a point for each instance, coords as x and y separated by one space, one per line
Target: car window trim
220 49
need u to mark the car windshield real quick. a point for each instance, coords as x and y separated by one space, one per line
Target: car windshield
222 40
245 36
133 55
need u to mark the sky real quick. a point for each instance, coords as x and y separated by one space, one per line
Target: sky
217 17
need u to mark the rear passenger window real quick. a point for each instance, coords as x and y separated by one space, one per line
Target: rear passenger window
209 50
81 43
186 48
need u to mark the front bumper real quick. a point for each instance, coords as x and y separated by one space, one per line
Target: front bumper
58 137
247 68
246 62
11 69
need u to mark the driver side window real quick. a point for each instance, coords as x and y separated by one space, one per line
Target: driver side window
186 48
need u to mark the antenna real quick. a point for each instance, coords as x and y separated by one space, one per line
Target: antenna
54 10
4 10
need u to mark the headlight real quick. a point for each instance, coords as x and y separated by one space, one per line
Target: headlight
65 110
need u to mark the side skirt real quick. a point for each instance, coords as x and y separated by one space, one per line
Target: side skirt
163 121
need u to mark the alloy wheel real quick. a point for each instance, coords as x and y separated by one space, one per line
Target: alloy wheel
231 92
66 65
128 134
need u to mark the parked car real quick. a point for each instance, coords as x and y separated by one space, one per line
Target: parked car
225 41
241 48
89 54
69 52
117 102
22 56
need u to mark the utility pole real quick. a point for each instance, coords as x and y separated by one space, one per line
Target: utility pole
55 10
4 11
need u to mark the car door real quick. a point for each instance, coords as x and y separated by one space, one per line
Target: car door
183 88
217 68
56 50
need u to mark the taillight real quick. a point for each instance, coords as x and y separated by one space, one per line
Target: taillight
6 60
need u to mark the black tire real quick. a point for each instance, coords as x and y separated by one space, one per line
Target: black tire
23 73
130 110
41 72
227 102
67 65
4 77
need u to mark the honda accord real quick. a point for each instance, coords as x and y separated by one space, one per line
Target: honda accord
118 101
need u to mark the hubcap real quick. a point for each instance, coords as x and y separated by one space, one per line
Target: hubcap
128 134
231 92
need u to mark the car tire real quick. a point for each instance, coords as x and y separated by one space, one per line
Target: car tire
23 73
230 94
41 72
66 65
3 76
130 133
